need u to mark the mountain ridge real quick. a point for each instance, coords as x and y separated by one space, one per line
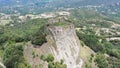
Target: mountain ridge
38 6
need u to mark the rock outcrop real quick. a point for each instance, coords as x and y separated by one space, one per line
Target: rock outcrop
67 45
62 42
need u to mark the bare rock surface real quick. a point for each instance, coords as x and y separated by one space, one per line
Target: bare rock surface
67 45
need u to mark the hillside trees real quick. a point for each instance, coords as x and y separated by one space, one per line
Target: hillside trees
22 32
91 41
51 64
13 56
39 37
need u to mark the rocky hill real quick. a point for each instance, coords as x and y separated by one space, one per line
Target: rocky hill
62 43
67 45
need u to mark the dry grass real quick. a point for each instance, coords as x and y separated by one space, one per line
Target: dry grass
85 54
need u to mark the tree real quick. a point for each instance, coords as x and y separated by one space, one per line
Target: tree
13 56
50 58
39 37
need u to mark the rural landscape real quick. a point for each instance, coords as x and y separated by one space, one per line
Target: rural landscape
59 34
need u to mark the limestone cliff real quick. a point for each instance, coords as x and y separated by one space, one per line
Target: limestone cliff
67 45
62 42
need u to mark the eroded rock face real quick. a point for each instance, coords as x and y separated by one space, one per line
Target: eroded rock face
2 65
67 45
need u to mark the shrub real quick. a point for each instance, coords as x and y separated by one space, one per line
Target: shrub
51 65
114 53
101 61
113 62
50 58
59 65
43 57
39 37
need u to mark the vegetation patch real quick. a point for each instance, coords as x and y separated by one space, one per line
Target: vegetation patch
13 56
91 41
39 37
51 64
101 61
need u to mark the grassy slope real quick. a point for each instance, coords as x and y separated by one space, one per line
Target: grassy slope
85 54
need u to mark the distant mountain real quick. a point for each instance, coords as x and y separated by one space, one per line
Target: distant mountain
98 2
37 6
56 2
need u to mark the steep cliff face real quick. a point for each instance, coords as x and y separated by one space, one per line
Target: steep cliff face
62 42
67 45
